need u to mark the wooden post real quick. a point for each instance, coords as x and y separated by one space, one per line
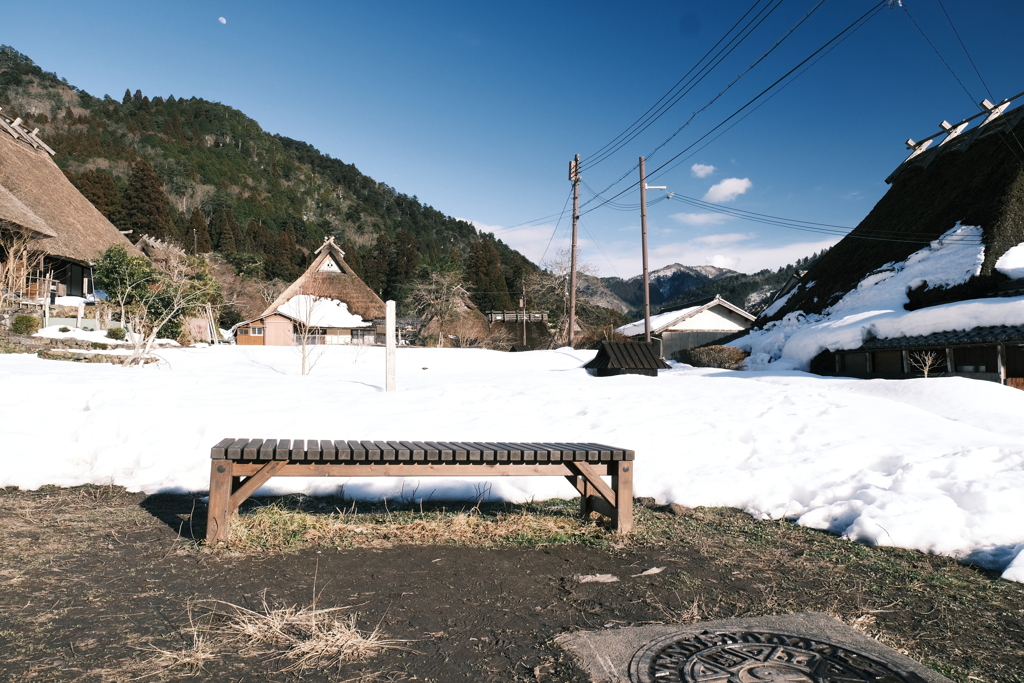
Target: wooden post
389 343
574 176
218 518
643 247
1001 363
622 484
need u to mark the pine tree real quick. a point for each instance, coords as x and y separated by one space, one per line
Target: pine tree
99 188
146 207
127 96
223 228
200 232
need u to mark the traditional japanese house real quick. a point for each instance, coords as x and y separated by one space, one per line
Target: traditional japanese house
692 324
328 304
45 215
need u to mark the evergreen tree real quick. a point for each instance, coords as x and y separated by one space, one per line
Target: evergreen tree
200 232
223 228
486 279
127 96
146 207
99 188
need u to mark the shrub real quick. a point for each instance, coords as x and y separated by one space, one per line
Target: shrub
64 329
25 324
100 346
116 333
726 357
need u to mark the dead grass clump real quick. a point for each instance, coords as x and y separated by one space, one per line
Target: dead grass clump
305 637
725 357
277 526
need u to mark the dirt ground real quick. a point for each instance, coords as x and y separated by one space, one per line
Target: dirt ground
101 585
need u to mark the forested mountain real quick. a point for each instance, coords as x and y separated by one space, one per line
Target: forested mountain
666 284
207 177
752 292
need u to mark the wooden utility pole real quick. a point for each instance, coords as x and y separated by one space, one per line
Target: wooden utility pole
574 176
643 242
522 305
643 247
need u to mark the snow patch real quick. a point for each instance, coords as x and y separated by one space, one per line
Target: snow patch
1011 264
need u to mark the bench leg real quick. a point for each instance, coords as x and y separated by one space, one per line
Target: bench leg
622 484
218 517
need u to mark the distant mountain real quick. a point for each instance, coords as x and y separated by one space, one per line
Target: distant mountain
668 283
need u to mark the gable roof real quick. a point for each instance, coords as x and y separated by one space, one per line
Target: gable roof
36 195
626 356
330 277
975 178
676 315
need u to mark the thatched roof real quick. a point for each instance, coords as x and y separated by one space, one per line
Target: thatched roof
330 277
976 178
35 195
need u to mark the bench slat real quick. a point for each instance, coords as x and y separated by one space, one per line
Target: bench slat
312 449
388 453
343 449
458 450
298 452
417 450
435 453
327 450
235 449
267 449
372 451
219 451
252 449
358 450
284 448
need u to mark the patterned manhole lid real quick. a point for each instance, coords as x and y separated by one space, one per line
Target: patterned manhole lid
756 657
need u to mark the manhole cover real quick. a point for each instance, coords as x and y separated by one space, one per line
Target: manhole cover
756 657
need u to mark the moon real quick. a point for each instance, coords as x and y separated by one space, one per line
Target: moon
222 20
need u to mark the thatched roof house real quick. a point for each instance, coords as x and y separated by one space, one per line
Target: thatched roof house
37 200
328 304
975 177
931 281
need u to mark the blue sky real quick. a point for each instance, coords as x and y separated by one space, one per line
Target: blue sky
478 107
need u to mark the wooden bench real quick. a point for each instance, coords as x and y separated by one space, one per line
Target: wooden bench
241 466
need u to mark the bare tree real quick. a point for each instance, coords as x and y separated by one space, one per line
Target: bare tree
925 361
306 310
549 288
19 258
441 299
179 286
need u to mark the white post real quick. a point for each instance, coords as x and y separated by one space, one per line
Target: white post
81 313
389 344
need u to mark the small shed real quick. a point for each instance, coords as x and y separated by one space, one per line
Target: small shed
626 358
692 324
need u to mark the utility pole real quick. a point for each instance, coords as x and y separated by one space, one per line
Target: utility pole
522 305
643 247
574 176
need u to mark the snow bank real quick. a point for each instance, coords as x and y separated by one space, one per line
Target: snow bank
875 309
1011 264
935 464
319 312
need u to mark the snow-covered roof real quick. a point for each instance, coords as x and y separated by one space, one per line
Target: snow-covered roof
315 312
667 319
876 308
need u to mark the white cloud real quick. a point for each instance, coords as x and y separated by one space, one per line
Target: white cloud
724 238
727 190
702 170
720 261
710 218
534 242
222 20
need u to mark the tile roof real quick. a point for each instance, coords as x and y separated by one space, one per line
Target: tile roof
995 334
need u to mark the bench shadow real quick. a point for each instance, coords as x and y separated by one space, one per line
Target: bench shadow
183 513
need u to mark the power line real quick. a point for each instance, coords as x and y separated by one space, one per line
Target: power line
957 34
849 29
938 54
649 118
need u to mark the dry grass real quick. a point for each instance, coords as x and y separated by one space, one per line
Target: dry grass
284 525
304 637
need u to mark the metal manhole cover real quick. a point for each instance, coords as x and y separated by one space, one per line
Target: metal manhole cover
756 657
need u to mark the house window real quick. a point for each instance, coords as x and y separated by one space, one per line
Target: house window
243 331
256 331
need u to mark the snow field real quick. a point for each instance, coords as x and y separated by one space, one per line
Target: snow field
936 465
